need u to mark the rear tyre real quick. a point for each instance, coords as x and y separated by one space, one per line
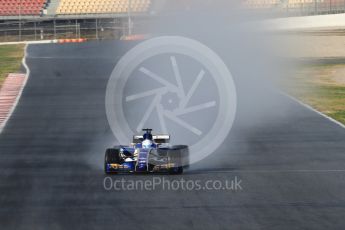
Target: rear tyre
112 156
182 152
178 155
176 171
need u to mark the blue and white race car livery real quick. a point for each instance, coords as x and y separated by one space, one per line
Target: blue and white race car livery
147 154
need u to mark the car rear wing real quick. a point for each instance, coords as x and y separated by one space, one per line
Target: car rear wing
159 139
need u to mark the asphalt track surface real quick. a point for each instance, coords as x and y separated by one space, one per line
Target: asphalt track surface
290 161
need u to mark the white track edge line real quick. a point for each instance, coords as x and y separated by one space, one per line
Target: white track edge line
20 91
314 110
29 42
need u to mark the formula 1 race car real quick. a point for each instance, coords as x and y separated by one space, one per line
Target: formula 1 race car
147 154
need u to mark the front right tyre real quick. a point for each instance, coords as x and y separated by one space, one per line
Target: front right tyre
112 156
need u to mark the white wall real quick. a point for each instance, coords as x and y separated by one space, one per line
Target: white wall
306 22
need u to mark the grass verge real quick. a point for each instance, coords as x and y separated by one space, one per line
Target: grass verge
10 60
322 87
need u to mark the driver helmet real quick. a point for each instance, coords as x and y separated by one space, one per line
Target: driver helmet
147 144
148 139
